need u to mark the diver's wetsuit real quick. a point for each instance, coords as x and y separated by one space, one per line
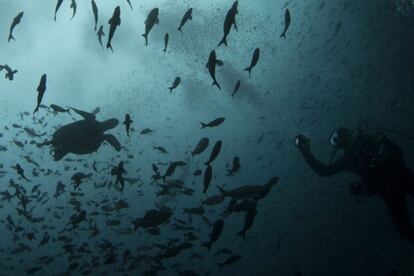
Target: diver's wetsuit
380 165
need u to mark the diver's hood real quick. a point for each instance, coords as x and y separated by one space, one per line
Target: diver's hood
334 139
340 138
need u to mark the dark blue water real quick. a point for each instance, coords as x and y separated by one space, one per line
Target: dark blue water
342 62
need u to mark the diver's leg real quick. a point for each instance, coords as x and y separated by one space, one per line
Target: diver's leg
408 182
397 206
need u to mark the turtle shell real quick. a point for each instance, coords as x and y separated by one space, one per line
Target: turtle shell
81 137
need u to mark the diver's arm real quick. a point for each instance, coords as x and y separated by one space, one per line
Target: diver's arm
322 169
303 144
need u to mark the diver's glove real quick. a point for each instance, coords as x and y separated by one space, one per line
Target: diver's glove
302 143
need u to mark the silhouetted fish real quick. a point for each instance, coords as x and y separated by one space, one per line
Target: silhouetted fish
287 23
74 7
129 3
95 13
15 22
58 4
152 19
127 123
230 260
41 91
187 16
100 35
201 146
114 22
228 22
211 66
175 84
166 39
236 88
218 226
214 153
208 174
255 59
214 123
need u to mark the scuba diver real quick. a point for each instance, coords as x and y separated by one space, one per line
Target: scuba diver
119 171
380 165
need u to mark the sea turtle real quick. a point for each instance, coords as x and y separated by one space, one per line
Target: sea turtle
82 137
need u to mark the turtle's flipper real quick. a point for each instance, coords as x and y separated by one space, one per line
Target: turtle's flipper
59 154
109 124
84 114
112 141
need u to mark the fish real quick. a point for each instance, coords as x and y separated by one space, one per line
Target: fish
18 143
337 28
152 19
78 218
155 231
129 3
249 218
236 88
172 251
223 251
146 131
166 39
255 59
197 172
33 270
201 146
211 66
74 7
213 200
100 34
187 16
127 123
155 169
41 91
230 260
171 168
218 226
160 149
60 189
119 171
16 21
175 84
56 108
20 249
9 72
32 133
95 12
153 218
113 222
121 205
214 123
236 166
45 239
78 177
113 23
214 153
208 174
20 171
287 23
229 21
58 4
